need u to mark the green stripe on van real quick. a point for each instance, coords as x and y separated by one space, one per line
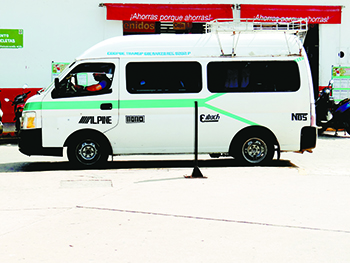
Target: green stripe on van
75 105
32 106
67 105
134 104
229 114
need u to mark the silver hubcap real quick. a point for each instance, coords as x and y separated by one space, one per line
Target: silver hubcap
254 150
88 151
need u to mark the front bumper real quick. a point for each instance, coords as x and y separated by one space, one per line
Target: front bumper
30 143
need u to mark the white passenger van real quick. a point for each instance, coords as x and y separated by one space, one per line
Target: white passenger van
253 88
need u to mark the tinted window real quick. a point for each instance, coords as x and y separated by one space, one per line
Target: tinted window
163 77
257 76
85 80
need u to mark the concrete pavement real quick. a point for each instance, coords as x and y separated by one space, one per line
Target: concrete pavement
294 211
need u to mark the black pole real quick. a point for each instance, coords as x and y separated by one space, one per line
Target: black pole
196 133
196 173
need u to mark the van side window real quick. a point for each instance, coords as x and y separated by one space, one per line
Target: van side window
253 76
163 77
85 80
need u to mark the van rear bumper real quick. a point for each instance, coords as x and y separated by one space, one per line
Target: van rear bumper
308 138
30 143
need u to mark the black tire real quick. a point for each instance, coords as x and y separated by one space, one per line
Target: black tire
255 150
87 152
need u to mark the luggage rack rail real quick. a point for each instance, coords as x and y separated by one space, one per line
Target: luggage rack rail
236 26
249 25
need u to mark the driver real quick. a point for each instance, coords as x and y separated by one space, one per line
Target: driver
103 82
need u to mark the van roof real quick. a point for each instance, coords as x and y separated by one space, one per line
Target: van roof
196 45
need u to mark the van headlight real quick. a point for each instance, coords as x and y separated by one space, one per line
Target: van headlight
28 120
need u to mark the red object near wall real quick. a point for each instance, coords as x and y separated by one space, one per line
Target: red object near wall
168 12
315 14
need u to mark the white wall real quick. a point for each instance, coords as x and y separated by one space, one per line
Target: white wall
53 31
329 48
61 30
333 39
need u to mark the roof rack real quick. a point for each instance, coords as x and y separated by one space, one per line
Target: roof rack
230 25
235 26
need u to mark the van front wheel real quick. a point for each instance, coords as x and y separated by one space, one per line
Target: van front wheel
87 152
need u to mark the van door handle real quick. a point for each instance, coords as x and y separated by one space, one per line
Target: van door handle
106 106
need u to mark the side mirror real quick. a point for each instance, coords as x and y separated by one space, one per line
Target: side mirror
56 83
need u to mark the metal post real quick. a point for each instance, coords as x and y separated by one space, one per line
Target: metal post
196 133
196 173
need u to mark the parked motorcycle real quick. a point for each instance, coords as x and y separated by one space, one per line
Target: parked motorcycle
330 114
18 105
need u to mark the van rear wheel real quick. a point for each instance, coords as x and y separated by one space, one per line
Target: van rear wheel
255 150
87 152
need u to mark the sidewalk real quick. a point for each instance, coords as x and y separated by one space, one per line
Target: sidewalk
238 214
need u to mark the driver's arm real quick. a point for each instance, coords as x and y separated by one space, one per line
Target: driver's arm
98 86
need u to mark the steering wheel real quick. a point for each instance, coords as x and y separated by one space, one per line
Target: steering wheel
70 85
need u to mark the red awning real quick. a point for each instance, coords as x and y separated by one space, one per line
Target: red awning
314 14
168 12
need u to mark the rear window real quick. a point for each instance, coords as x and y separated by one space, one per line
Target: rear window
253 76
163 77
